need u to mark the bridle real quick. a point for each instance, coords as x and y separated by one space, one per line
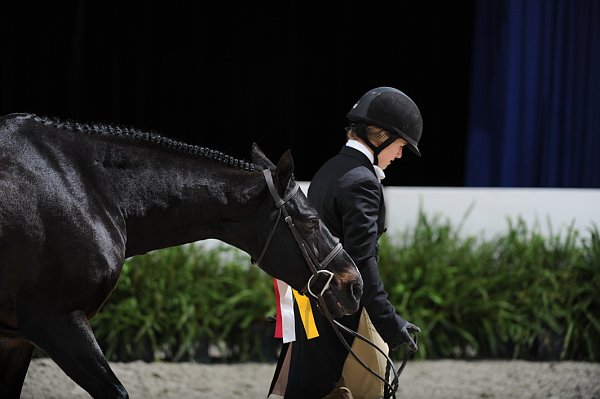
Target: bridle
319 269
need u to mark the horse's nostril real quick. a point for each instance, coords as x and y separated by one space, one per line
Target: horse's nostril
357 291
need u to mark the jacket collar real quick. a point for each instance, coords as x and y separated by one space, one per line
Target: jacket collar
361 156
356 154
357 145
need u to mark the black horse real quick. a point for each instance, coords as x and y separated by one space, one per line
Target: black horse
77 199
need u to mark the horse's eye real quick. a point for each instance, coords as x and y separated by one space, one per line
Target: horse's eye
312 223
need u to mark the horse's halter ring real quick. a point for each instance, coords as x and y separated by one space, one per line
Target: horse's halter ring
312 261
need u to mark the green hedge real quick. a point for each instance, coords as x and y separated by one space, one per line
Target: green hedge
519 295
173 303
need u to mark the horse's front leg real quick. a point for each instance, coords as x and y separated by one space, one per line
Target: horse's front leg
15 355
69 340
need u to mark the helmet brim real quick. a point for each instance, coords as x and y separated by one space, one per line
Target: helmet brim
414 149
410 143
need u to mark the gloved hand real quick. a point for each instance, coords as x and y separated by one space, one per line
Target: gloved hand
405 338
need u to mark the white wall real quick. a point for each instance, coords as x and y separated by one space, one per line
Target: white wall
490 208
553 210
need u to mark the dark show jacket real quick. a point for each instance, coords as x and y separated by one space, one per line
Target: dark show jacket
349 199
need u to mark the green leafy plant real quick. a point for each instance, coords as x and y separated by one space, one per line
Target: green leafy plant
520 295
173 303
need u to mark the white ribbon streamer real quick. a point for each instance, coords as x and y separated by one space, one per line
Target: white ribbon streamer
286 303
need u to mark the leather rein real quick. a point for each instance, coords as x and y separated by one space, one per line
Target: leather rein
319 269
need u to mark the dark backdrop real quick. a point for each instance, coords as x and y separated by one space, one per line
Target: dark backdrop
283 74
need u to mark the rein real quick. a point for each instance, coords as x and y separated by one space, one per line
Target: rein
319 269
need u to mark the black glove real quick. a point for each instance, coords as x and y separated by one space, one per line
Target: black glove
405 338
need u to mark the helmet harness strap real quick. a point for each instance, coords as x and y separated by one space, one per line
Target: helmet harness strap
361 131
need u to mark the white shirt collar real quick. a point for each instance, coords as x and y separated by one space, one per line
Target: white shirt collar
357 145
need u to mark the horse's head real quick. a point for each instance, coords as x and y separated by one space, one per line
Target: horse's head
296 247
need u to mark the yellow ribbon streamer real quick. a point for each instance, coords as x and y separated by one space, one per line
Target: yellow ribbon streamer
306 314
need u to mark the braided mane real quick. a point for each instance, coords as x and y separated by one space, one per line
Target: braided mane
149 137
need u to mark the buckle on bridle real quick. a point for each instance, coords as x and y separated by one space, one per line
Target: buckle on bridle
325 287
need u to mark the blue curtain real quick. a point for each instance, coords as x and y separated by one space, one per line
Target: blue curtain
535 94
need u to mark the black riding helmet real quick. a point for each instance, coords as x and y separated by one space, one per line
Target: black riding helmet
389 109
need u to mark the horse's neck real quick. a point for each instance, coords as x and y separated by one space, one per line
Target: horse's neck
171 199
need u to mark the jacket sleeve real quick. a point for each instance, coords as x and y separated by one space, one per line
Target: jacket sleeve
375 300
359 207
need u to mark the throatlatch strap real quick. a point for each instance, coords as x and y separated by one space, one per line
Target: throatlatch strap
264 250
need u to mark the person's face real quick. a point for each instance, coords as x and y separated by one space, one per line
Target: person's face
391 152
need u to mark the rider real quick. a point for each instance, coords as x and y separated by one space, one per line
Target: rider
348 195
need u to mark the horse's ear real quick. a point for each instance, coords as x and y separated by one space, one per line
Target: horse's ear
285 169
259 157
